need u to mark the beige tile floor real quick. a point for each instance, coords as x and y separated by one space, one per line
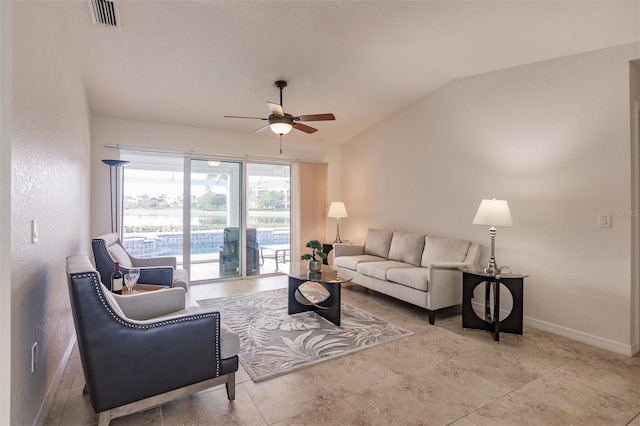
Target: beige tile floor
441 375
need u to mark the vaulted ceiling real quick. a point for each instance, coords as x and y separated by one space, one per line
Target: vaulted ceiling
192 62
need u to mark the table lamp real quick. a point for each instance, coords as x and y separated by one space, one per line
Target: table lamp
493 213
337 210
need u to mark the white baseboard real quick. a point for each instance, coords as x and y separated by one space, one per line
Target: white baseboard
580 336
53 387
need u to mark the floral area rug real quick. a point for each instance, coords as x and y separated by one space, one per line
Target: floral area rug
274 343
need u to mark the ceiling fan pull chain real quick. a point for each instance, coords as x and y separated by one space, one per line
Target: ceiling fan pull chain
280 143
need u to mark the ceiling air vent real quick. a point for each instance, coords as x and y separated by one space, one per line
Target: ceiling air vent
105 12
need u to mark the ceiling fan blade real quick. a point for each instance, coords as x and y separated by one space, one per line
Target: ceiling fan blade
275 109
238 116
304 128
261 129
316 117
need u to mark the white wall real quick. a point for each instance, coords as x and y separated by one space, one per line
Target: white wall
553 138
5 211
634 300
110 131
50 182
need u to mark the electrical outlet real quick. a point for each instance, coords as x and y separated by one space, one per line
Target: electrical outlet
34 357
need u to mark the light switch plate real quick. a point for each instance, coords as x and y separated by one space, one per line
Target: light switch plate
34 231
604 220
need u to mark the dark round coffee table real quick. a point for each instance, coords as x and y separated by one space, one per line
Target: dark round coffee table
316 291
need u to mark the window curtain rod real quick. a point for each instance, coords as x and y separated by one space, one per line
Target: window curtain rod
196 154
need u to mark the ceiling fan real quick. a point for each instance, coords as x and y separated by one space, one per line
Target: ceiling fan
281 122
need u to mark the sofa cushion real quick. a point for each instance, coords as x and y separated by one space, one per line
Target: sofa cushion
417 278
407 247
351 262
378 242
379 269
444 249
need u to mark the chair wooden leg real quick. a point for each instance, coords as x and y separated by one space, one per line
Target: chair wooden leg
432 317
231 386
104 418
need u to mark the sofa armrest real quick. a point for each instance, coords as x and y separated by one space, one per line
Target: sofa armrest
142 262
151 304
347 250
445 284
448 265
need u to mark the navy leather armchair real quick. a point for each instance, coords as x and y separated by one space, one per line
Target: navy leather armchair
142 350
107 249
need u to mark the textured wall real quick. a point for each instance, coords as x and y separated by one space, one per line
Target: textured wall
553 139
50 183
5 211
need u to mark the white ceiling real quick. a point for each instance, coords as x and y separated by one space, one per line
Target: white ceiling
192 62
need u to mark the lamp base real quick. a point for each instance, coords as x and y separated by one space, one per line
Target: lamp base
338 240
492 269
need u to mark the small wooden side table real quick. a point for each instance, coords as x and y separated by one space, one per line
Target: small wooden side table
471 278
143 288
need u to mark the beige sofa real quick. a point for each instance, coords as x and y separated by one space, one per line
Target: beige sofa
417 268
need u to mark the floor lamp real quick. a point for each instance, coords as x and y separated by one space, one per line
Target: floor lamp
116 181
493 213
337 210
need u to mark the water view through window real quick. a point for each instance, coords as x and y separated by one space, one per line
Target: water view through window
157 220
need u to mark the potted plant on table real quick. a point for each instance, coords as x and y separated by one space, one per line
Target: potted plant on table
315 265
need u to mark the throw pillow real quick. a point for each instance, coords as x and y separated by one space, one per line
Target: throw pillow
444 249
378 242
407 247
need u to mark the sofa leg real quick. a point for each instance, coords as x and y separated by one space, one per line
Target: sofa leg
432 317
231 386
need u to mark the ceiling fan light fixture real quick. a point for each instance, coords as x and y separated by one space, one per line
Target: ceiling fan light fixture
280 128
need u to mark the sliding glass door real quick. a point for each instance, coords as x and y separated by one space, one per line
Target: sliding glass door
226 219
268 195
215 221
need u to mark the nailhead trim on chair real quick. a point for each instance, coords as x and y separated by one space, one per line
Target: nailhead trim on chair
98 288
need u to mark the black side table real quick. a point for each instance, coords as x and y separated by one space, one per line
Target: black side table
326 249
491 322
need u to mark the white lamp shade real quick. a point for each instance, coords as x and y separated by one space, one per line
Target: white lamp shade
493 213
337 209
280 128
